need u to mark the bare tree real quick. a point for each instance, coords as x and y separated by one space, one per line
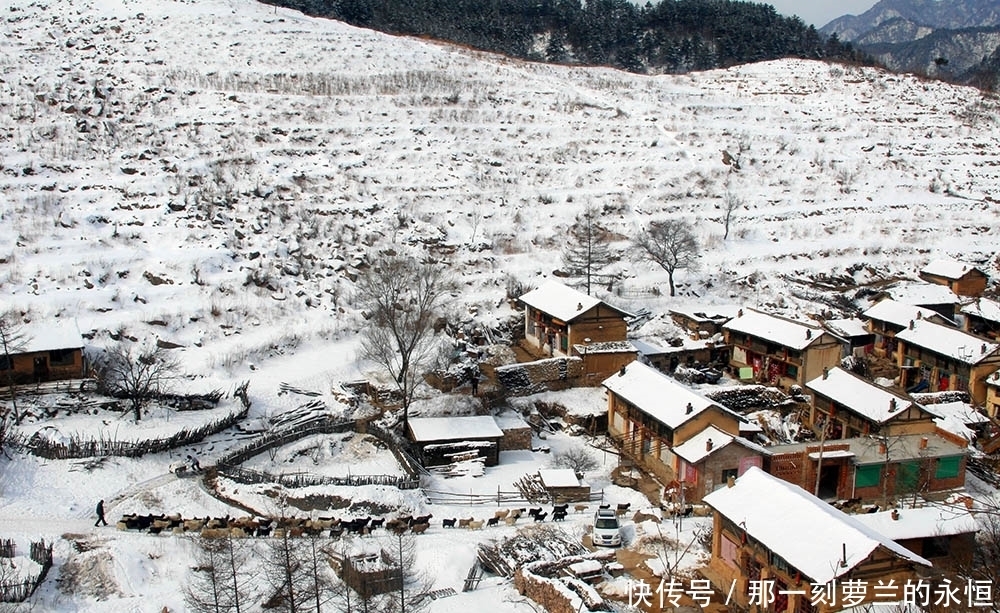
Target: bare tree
136 374
576 457
287 570
401 298
13 339
669 244
586 252
220 581
730 204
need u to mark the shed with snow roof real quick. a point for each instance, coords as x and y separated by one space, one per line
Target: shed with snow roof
982 318
959 277
777 350
769 530
563 485
42 351
710 458
442 440
937 298
944 534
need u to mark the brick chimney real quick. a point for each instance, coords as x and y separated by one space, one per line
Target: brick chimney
709 444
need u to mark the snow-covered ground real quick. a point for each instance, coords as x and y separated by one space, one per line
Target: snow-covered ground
214 174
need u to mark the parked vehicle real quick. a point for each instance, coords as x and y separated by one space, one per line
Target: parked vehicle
606 531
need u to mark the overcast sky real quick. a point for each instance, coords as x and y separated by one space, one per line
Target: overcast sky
820 12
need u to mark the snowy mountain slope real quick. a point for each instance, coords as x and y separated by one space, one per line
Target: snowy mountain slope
212 173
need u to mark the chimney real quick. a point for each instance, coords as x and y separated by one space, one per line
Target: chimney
708 445
621 371
895 515
826 373
809 333
579 306
881 448
739 313
731 481
923 442
982 348
920 314
911 324
843 559
689 409
892 405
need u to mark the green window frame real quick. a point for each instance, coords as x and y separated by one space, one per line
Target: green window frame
868 476
948 468
908 476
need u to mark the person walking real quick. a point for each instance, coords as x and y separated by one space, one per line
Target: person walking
100 514
195 465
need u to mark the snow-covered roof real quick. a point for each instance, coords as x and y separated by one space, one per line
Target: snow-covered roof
900 314
711 313
948 342
561 301
920 293
984 308
962 411
658 395
870 401
453 428
558 477
50 335
696 449
605 347
920 523
770 510
847 328
793 334
948 269
649 348
993 379
510 420
867 449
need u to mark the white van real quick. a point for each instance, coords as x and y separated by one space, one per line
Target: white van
606 529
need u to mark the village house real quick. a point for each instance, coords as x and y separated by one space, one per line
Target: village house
943 534
886 318
873 468
443 440
960 278
704 322
710 458
937 298
560 321
47 351
779 351
982 318
939 358
666 357
651 414
767 530
849 406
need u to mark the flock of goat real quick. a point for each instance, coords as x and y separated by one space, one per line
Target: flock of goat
241 527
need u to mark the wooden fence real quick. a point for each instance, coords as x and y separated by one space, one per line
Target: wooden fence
41 554
78 447
230 464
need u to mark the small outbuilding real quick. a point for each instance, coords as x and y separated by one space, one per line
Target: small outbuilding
563 485
44 351
959 277
443 440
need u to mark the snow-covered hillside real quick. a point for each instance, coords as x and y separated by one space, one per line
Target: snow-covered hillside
213 173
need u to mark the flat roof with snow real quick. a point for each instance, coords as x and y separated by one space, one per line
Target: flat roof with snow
558 477
921 523
868 400
900 314
770 510
658 395
948 342
561 301
427 429
919 293
785 332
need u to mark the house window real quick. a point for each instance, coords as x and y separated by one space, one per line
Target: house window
908 476
792 372
936 547
61 357
948 468
730 472
868 476
729 551
6 363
